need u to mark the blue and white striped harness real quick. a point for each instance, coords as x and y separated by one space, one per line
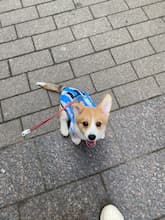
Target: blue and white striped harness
70 94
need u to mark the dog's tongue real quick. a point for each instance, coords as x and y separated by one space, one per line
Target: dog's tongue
91 143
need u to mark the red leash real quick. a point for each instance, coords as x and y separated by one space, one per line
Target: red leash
28 131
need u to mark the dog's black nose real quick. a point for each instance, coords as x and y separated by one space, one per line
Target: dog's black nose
92 137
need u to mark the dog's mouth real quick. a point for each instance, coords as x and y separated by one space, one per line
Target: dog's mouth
91 144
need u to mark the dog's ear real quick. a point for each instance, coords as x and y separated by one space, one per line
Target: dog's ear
77 107
106 104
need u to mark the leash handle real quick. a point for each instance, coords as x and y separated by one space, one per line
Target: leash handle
26 132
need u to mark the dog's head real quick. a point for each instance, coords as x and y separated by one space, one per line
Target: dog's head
92 121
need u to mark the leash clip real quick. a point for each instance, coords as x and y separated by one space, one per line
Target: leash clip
26 132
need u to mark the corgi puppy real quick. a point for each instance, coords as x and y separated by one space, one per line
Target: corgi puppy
82 120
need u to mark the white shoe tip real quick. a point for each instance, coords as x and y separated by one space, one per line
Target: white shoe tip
110 212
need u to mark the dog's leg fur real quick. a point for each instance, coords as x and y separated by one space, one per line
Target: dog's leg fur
65 130
64 124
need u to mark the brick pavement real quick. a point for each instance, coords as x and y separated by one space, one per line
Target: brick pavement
115 46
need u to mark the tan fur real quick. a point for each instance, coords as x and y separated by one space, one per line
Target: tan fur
89 113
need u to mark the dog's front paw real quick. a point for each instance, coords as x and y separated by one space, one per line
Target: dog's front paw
75 140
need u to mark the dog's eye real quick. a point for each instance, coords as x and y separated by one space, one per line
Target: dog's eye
85 123
98 124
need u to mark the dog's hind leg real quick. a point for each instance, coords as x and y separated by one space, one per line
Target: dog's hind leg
64 124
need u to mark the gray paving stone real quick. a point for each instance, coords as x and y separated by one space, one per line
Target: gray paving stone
4 69
7 5
53 38
55 7
16 48
7 34
83 83
150 65
113 76
147 29
92 63
9 132
132 51
25 104
33 2
29 120
22 177
18 16
73 17
107 8
139 129
30 62
81 200
110 39
81 3
63 162
52 74
99 96
90 28
161 80
127 18
54 97
35 27
137 91
13 86
155 10
10 213
72 50
140 184
158 42
134 4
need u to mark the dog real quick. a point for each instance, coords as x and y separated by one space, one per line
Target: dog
82 120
